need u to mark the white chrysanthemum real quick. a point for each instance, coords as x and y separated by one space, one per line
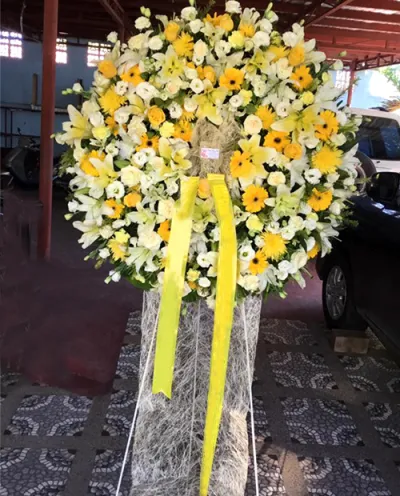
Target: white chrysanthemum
155 43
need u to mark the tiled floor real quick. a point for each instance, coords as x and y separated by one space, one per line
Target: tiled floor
325 424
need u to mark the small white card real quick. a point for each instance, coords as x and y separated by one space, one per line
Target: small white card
209 153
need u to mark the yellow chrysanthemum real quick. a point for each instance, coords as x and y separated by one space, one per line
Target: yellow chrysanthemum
148 142
241 165
184 45
274 246
247 29
187 116
117 250
259 263
132 199
327 159
279 52
232 79
107 68
206 72
313 252
112 125
183 130
266 115
320 200
253 198
165 230
87 167
156 116
117 208
171 31
302 77
277 140
110 101
133 76
297 55
329 127
294 151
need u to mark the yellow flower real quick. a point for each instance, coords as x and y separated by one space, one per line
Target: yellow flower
266 115
326 160
247 30
112 124
171 31
156 116
184 45
302 77
101 132
279 52
117 208
107 68
148 142
314 251
259 263
277 140
236 39
297 55
214 20
254 197
167 130
183 130
187 116
241 165
329 127
132 199
206 72
204 189
225 22
294 151
246 95
133 76
274 246
320 200
117 249
110 101
87 167
164 230
232 79
172 67
307 98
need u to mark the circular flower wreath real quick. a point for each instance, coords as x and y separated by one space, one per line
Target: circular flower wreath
290 175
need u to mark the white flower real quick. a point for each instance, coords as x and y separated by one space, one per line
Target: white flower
155 43
197 85
204 260
200 49
104 253
121 88
117 224
204 282
77 88
175 110
299 259
253 124
136 129
112 37
146 91
189 104
265 25
189 13
283 69
233 7
130 176
335 208
114 275
106 232
73 206
296 223
115 190
249 283
197 59
142 23
260 88
195 26
173 86
236 101
122 114
140 158
254 224
276 178
149 239
284 269
310 243
222 48
166 208
192 275
246 253
338 65
312 176
260 39
338 139
283 109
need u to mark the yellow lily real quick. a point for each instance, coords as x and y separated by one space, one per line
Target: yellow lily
301 121
77 128
208 105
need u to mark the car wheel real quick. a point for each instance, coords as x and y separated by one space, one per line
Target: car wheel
338 299
366 163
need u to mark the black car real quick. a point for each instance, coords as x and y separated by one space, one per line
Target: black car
361 276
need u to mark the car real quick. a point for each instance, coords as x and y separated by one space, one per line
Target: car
361 275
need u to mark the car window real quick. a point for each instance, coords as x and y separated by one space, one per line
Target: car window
379 138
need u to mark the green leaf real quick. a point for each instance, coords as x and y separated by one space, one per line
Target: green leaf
146 286
121 163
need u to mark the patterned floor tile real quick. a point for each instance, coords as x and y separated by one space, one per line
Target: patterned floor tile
31 472
269 477
342 477
320 422
260 422
301 370
128 362
386 420
134 323
40 415
9 379
290 332
120 413
372 374
106 472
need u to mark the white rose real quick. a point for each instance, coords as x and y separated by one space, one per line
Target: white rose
155 43
122 114
204 282
236 101
112 37
146 91
276 178
173 86
136 129
296 222
253 223
189 13
249 283
260 88
150 239
104 253
175 110
200 48
261 39
197 85
115 190
335 208
142 23
312 176
121 88
195 26
265 25
137 42
299 259
253 124
130 176
283 69
233 7
166 208
190 105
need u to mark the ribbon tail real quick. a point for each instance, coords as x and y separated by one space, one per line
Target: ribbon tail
174 279
223 319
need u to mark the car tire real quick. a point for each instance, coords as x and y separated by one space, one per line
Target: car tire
366 164
338 296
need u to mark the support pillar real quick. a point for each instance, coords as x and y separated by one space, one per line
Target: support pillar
351 82
50 22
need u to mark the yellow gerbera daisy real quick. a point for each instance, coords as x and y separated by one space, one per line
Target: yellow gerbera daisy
165 230
266 115
86 165
117 250
329 127
183 130
313 252
148 142
232 79
327 159
187 116
133 76
297 55
117 208
254 197
302 77
277 140
320 200
274 246
241 165
110 101
259 263
107 68
184 45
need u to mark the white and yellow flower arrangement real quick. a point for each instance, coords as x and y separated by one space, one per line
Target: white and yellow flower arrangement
290 175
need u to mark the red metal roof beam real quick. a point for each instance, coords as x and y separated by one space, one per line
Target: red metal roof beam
330 11
117 13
